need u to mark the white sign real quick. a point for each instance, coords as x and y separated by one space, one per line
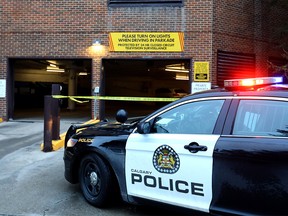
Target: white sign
97 90
200 86
2 88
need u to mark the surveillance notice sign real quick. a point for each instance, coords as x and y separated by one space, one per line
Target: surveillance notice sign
201 71
146 42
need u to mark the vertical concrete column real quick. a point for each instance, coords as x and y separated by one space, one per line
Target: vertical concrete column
47 124
71 88
55 110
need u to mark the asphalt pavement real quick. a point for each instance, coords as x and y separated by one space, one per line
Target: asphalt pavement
32 182
30 179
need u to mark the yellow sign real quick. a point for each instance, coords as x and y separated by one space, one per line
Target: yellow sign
201 71
146 42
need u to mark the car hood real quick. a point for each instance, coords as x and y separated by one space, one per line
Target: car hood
107 129
103 128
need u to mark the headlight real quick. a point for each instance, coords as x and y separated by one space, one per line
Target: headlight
71 142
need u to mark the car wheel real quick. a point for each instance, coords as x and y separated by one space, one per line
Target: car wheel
96 180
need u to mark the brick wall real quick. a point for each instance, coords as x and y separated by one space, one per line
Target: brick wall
245 26
66 29
3 69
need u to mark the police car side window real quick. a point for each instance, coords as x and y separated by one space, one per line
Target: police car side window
261 118
192 118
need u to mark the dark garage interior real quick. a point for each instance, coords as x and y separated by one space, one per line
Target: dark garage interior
142 78
31 81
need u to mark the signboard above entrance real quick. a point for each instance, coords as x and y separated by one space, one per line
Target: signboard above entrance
146 42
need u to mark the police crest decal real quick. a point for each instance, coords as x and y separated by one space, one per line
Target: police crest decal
166 160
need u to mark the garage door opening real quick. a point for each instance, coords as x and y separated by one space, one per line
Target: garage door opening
31 79
166 78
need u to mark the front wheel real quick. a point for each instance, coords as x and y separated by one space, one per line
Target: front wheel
96 180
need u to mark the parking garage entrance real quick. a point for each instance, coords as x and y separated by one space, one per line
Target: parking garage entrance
29 80
169 78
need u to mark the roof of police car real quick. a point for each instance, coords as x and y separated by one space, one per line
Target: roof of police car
222 92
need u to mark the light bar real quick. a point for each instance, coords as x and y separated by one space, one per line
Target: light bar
252 82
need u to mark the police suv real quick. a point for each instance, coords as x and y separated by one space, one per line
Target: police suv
223 151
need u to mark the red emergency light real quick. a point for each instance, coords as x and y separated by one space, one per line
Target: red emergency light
251 83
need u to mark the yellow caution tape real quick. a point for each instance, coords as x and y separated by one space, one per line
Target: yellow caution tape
74 98
78 101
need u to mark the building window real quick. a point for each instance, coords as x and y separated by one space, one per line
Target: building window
139 3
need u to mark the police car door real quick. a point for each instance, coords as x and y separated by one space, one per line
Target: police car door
173 162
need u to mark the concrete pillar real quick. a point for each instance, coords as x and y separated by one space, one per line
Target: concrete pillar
71 88
47 124
55 111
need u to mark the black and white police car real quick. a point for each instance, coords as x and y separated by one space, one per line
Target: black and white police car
224 151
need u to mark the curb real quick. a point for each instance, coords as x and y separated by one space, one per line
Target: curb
57 144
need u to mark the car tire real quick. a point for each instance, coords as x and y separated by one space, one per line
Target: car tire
96 181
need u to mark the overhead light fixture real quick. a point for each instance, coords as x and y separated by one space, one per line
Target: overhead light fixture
177 68
55 69
53 65
83 74
181 76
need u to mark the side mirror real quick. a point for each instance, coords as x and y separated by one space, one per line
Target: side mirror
143 127
121 116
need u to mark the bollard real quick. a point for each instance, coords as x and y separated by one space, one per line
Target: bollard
55 112
47 124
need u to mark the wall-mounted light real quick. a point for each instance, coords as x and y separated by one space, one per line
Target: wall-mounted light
96 42
96 47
